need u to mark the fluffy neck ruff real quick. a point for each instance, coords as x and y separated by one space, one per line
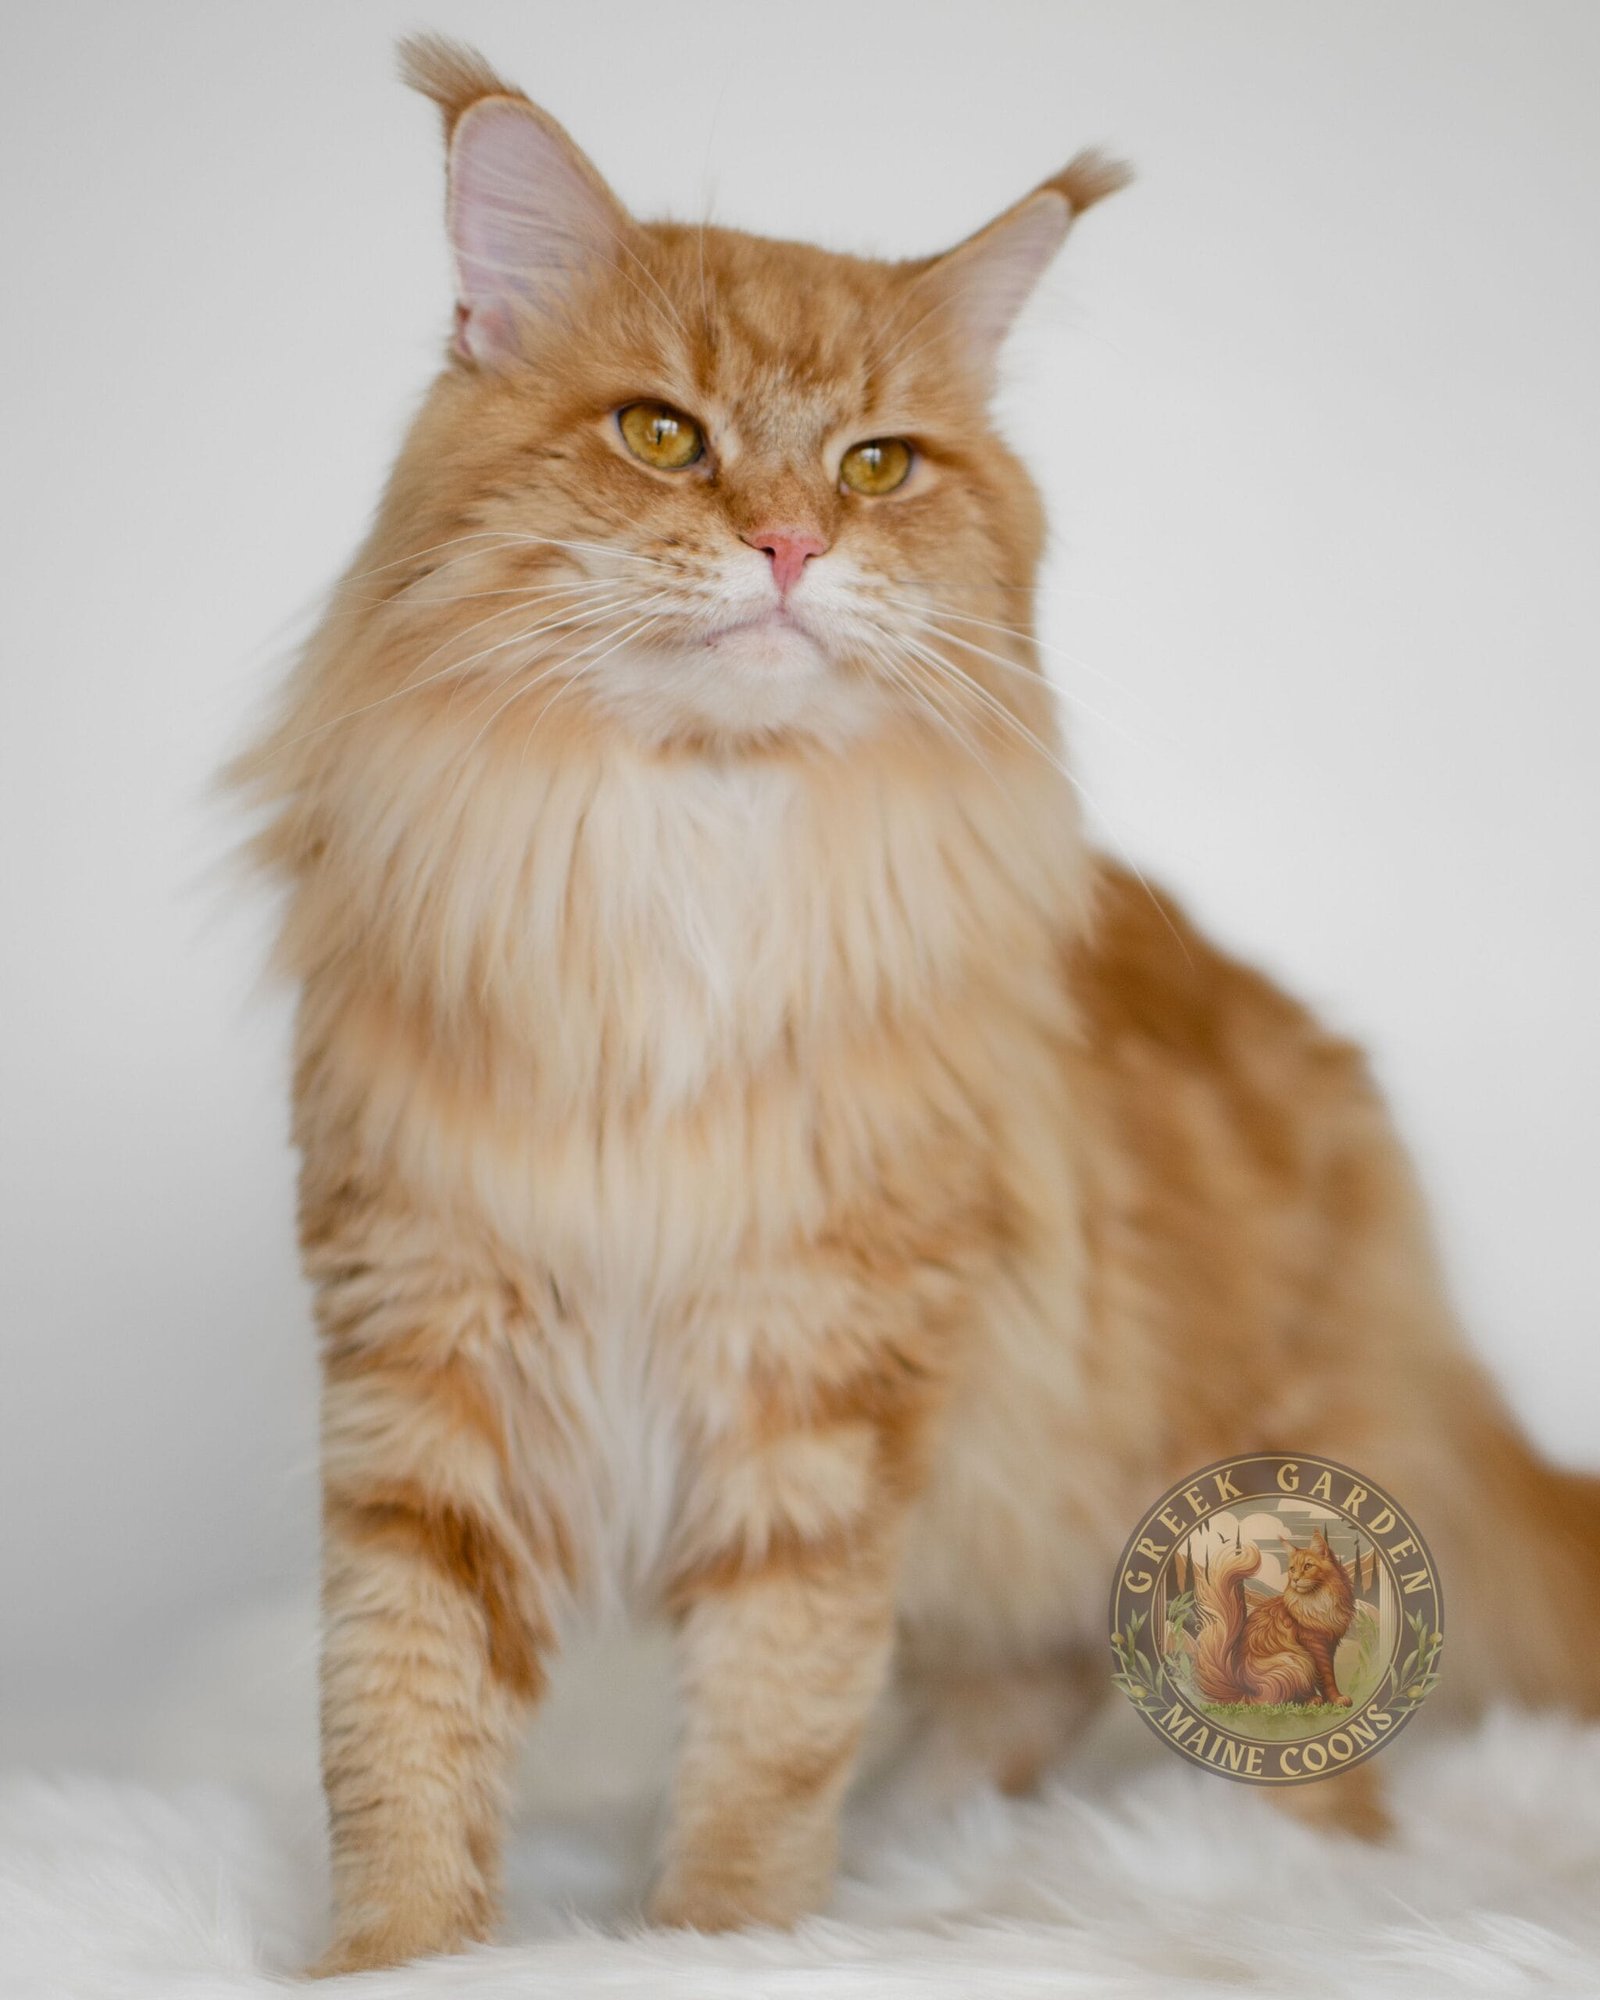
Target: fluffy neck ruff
636 921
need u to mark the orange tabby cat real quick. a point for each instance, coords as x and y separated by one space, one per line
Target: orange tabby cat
759 1165
1284 1649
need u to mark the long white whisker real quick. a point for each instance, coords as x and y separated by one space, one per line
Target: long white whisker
578 622
416 555
527 596
1026 673
521 539
506 538
523 688
911 297
1003 715
925 698
460 666
959 677
627 638
666 297
537 680
960 699
1011 632
450 667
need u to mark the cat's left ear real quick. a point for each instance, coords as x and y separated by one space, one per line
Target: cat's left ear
982 283
528 212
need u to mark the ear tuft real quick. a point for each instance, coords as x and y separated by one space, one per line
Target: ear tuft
453 75
527 212
986 280
1089 177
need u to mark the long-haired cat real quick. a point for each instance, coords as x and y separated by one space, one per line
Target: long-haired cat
759 1166
1281 1650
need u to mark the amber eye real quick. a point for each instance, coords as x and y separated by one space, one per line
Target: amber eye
661 436
878 466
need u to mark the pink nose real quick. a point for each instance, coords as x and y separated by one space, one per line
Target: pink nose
790 552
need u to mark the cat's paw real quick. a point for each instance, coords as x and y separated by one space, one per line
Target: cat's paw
1350 1802
351 1956
703 1903
696 1911
387 1945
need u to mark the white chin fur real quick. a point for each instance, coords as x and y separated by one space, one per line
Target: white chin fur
750 683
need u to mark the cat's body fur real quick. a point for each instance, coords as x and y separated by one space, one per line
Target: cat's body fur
768 1170
1283 1650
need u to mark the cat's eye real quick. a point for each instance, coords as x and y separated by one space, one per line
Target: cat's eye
878 466
661 436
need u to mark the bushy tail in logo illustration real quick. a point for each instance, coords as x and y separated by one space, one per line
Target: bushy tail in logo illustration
1283 1650
1219 1599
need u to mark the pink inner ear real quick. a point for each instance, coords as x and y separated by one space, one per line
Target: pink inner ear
987 279
525 212
482 332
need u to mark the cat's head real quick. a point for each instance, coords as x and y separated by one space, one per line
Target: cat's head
1314 1567
723 488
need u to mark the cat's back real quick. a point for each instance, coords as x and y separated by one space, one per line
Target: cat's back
1244 1153
1158 996
1205 1067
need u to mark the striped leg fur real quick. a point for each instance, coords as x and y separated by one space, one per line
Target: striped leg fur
437 1579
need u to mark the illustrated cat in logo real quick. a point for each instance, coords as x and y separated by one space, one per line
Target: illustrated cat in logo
1283 1650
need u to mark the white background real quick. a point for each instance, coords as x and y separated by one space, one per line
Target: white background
1317 410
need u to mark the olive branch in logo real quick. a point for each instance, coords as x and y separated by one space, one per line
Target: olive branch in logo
1142 1675
1135 1673
1418 1674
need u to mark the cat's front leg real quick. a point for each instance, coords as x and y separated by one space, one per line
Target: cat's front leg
1321 1650
780 1670
434 1606
785 1636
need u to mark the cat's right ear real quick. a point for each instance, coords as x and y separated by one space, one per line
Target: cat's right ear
526 209
983 282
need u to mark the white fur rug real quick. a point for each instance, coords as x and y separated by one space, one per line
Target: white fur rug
1132 1874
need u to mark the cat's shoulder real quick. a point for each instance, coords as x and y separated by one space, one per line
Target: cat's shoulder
1148 979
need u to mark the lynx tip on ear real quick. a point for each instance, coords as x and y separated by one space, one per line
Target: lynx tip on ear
453 75
1089 177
